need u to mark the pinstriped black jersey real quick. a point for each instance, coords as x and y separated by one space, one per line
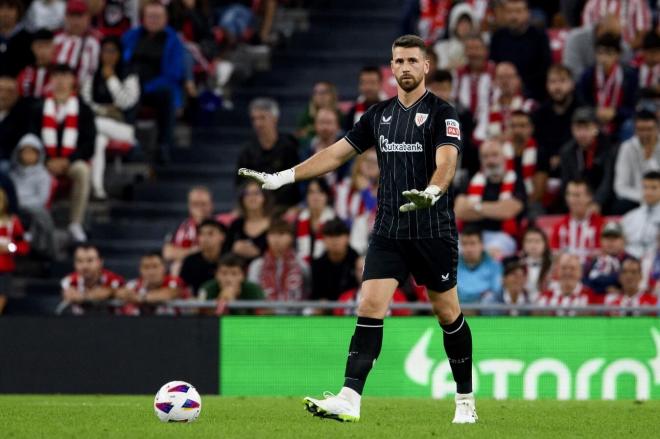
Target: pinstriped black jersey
406 140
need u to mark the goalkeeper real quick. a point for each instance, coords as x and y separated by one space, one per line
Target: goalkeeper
417 138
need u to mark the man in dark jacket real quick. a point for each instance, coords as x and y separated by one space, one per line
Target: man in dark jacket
14 117
15 41
589 156
66 127
156 53
525 46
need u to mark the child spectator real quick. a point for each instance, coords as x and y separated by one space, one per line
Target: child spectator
90 283
479 275
537 258
33 81
247 233
334 271
149 293
201 266
12 243
310 221
630 294
568 289
111 93
602 273
33 188
355 294
280 272
229 284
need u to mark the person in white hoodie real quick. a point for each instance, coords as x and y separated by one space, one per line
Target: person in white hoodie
462 23
33 189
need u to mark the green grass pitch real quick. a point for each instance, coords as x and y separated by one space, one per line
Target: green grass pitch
126 417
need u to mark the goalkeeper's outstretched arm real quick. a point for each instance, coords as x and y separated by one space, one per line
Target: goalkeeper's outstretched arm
324 161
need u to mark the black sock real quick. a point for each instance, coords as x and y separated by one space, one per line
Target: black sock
363 351
458 346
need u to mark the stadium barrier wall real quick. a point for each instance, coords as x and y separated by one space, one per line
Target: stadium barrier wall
518 358
98 354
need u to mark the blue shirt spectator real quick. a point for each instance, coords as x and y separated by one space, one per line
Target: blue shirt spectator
479 275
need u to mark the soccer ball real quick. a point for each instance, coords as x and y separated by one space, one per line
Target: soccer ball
177 401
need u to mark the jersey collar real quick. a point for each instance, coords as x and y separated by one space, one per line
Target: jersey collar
421 98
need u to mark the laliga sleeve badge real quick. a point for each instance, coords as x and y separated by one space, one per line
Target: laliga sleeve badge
453 129
420 118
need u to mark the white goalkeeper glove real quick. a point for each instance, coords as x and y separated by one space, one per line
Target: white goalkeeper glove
269 181
421 199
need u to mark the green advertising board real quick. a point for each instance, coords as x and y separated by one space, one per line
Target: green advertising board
530 358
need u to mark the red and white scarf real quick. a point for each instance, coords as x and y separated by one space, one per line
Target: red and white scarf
476 189
49 125
284 284
649 76
304 234
473 89
608 89
529 155
433 19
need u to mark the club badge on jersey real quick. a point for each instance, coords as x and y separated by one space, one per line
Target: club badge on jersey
453 129
420 118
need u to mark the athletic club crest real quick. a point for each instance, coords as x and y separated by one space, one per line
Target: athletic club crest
420 118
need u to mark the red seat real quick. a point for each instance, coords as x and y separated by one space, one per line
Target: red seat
116 147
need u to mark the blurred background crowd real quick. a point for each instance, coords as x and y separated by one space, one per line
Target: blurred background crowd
123 122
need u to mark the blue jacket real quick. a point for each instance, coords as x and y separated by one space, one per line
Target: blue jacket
473 282
171 72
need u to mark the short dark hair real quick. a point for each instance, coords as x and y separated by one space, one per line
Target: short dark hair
335 227
580 182
651 41
651 175
472 230
609 40
153 254
408 41
210 222
443 75
560 68
645 115
324 186
61 68
372 69
279 225
85 245
521 113
632 259
43 35
232 260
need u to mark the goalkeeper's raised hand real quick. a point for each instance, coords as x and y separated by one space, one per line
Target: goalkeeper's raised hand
269 181
421 199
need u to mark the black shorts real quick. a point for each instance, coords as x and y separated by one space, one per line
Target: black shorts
432 262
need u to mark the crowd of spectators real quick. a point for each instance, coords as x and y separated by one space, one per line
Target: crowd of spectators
558 191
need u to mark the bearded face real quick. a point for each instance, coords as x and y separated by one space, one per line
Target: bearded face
409 66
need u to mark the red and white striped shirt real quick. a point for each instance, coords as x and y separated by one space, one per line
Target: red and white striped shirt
553 296
581 237
80 53
34 82
473 90
528 160
649 77
106 279
496 121
640 299
306 247
634 15
185 235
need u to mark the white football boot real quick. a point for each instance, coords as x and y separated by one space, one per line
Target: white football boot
344 407
466 412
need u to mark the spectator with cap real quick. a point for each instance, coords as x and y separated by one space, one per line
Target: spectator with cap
281 273
155 52
66 127
269 150
568 289
609 85
201 266
34 80
78 44
479 275
513 288
524 45
45 14
589 155
630 293
636 156
493 200
334 271
370 85
552 120
230 283
578 232
602 272
641 225
15 52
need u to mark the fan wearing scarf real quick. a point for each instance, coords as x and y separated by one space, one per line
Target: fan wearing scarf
67 130
493 200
